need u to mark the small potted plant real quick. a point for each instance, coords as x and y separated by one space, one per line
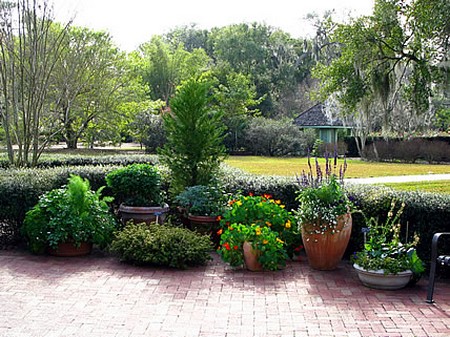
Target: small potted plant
324 217
386 262
67 221
259 248
203 206
137 188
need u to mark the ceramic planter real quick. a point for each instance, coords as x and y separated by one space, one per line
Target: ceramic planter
208 225
68 249
325 251
143 214
251 257
377 279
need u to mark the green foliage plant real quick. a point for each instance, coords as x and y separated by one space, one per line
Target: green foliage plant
266 242
383 249
263 211
202 200
194 148
72 214
136 185
322 199
161 245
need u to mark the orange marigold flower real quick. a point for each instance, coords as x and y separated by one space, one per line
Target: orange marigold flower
235 247
278 202
267 196
265 242
219 232
230 228
268 224
251 194
231 202
219 218
227 246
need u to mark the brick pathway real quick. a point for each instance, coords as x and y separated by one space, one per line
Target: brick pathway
98 296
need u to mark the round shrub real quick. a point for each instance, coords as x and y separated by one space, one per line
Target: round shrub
162 246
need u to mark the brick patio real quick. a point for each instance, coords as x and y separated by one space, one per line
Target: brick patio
99 296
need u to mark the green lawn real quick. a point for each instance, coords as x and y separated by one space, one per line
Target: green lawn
438 186
356 168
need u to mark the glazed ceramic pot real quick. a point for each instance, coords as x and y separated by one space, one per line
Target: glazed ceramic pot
377 279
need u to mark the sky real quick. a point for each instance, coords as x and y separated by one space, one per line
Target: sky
133 22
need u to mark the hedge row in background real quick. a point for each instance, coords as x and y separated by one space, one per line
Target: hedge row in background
49 160
425 213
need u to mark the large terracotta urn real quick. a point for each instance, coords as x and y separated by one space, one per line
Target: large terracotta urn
208 225
325 250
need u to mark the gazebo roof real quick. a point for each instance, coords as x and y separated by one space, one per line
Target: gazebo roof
316 117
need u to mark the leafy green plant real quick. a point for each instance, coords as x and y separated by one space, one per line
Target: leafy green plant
202 200
161 245
270 248
263 211
383 249
136 185
72 214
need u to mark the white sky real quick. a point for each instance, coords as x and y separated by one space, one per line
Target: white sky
132 22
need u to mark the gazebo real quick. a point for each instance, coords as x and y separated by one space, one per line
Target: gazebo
316 118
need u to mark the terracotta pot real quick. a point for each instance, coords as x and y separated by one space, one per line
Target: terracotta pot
143 214
251 257
377 279
68 249
207 225
325 251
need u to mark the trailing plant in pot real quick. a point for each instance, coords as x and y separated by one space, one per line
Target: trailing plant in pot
259 248
386 262
72 216
137 188
324 216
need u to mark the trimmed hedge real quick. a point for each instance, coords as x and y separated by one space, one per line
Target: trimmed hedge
425 213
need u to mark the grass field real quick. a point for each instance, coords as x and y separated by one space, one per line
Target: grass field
356 168
438 186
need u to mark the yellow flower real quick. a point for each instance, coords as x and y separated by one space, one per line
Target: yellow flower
279 240
265 242
288 224
282 206
278 202
239 203
258 231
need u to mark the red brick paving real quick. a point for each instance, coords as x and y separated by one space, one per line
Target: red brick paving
98 296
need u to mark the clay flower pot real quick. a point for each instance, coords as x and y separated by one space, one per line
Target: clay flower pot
325 251
251 257
68 249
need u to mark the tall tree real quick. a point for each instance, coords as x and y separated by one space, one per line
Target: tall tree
396 70
29 51
88 82
165 66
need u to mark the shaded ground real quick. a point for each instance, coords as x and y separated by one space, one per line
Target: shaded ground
99 296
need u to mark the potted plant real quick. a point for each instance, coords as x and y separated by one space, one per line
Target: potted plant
137 188
68 220
265 211
386 262
258 247
324 217
202 206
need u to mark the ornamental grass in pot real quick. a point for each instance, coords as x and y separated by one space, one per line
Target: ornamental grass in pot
324 216
68 220
386 262
137 188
